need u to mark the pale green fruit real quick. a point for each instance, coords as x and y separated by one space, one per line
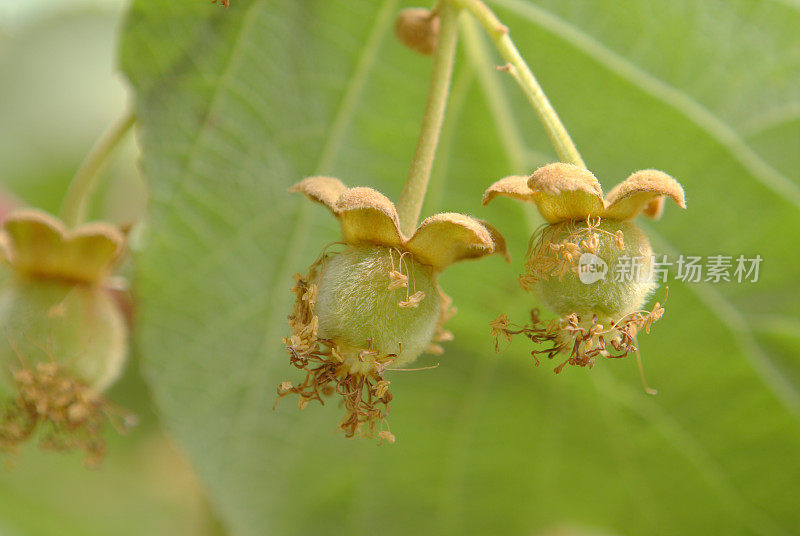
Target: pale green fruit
78 326
354 304
607 298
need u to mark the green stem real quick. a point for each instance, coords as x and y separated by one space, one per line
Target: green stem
413 195
76 200
564 146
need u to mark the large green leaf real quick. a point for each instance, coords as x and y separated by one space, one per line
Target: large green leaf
236 105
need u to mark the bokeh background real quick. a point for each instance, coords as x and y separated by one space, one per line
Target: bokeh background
236 105
60 88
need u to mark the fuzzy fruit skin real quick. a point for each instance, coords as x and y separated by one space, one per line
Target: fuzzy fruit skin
353 303
608 299
79 326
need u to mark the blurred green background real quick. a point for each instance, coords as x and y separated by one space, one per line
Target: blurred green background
60 88
236 105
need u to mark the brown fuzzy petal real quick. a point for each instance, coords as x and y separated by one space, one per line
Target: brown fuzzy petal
515 186
643 191
566 192
40 246
499 240
92 249
443 239
367 216
323 190
34 241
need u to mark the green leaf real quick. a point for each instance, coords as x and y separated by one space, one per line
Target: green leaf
236 105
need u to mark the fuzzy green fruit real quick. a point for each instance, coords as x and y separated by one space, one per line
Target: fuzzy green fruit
354 303
608 298
77 326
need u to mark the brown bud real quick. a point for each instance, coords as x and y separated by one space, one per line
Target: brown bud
418 29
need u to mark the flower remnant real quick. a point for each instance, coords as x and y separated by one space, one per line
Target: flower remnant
64 336
570 259
373 303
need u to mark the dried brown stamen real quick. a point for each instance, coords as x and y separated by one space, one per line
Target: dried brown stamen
582 341
552 255
399 278
328 367
69 415
366 397
355 371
